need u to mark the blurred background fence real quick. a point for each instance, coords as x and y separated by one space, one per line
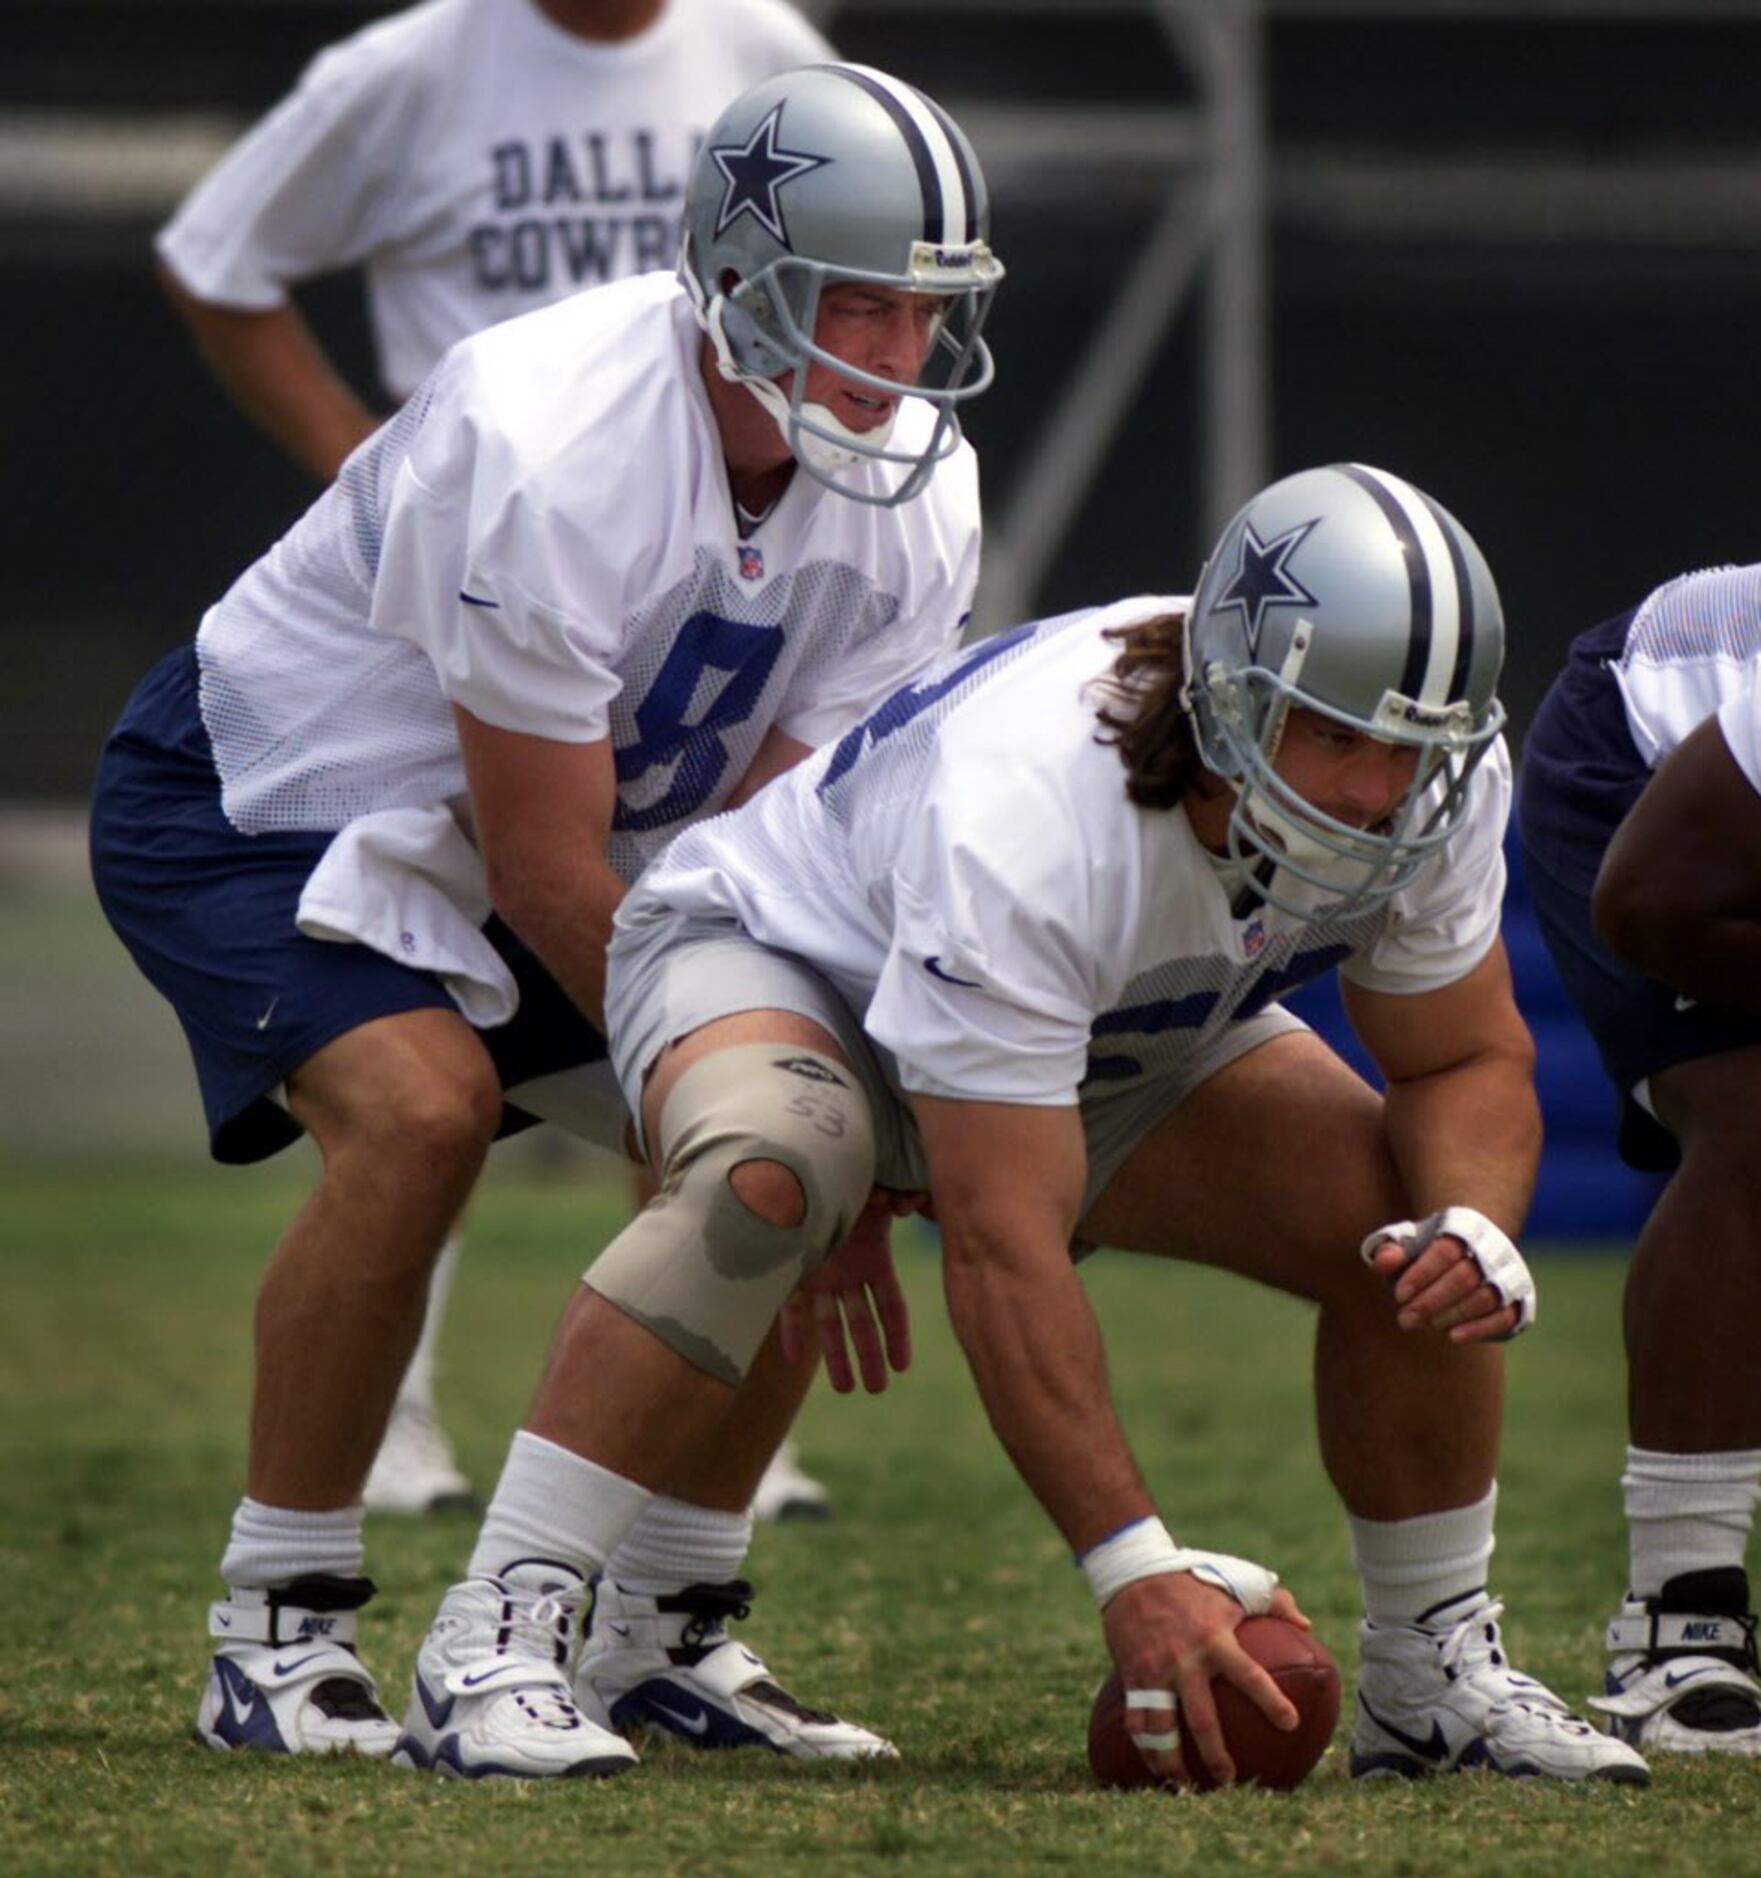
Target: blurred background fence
1505 247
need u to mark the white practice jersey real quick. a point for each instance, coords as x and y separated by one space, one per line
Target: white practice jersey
1694 649
479 160
966 868
545 536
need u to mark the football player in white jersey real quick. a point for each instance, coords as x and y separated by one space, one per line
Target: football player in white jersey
479 159
1017 941
1641 822
614 565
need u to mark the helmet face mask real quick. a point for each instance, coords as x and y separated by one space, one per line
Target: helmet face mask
832 174
1348 593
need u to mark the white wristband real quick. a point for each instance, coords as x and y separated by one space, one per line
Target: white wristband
1145 1550
1139 1550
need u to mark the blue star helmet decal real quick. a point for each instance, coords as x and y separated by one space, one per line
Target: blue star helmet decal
755 172
1263 578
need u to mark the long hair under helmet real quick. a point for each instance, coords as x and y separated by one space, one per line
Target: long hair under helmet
840 173
1346 591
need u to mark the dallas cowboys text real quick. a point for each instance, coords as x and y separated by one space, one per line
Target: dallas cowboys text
628 187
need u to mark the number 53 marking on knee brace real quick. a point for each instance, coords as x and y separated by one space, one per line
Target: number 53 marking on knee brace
826 1118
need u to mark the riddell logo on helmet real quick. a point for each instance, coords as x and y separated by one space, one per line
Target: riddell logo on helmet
1395 709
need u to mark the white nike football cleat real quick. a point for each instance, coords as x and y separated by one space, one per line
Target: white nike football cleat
414 1470
1683 1675
786 1491
1444 1698
490 1693
285 1679
669 1663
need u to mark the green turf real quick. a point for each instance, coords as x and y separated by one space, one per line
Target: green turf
937 1606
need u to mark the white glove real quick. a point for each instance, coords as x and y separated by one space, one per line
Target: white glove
1501 1265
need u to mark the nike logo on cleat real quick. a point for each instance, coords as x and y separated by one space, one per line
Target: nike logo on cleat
1435 1748
478 1680
1673 1681
619 1630
697 1724
287 1669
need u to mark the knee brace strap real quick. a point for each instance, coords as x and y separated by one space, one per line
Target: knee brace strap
697 1266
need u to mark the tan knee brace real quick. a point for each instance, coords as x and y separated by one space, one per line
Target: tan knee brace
697 1266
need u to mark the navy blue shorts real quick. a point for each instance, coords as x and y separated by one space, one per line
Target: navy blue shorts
1581 775
208 914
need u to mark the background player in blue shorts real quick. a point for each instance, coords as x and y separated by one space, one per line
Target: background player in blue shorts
1640 814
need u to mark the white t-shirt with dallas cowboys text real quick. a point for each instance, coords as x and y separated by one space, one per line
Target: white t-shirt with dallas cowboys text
966 868
479 160
545 536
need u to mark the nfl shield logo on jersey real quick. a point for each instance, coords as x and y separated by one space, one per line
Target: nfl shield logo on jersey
1253 940
751 562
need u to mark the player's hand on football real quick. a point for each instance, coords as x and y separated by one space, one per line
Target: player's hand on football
853 1303
1173 1633
1455 1272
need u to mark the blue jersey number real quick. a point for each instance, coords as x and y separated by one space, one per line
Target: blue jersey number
665 735
909 702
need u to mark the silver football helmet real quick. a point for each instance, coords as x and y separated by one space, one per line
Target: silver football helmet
839 173
1349 592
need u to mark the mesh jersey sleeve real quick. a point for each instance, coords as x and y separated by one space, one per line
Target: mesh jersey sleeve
307 189
1445 922
988 992
1739 721
469 571
830 697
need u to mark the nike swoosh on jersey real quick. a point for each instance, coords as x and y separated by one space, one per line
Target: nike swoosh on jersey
476 599
933 965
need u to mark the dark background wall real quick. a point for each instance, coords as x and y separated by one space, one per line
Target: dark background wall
1588 406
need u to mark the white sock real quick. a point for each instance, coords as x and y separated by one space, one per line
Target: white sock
674 1545
1411 1567
1686 1513
418 1383
553 1504
270 1545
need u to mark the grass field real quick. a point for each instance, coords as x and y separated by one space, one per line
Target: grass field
938 1606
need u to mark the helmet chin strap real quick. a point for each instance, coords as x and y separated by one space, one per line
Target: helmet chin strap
825 454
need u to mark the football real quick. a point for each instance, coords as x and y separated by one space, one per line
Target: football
1264 1756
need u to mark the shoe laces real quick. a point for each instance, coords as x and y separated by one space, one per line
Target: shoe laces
1473 1650
538 1625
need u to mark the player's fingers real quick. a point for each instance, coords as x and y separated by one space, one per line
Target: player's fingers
831 1342
865 1340
1258 1686
1205 1726
792 1332
1439 1257
1447 1293
1285 1606
1480 1300
1151 1720
1388 1261
895 1317
1501 1323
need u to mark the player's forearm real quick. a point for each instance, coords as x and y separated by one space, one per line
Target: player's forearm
564 913
1036 1356
1470 1135
274 371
